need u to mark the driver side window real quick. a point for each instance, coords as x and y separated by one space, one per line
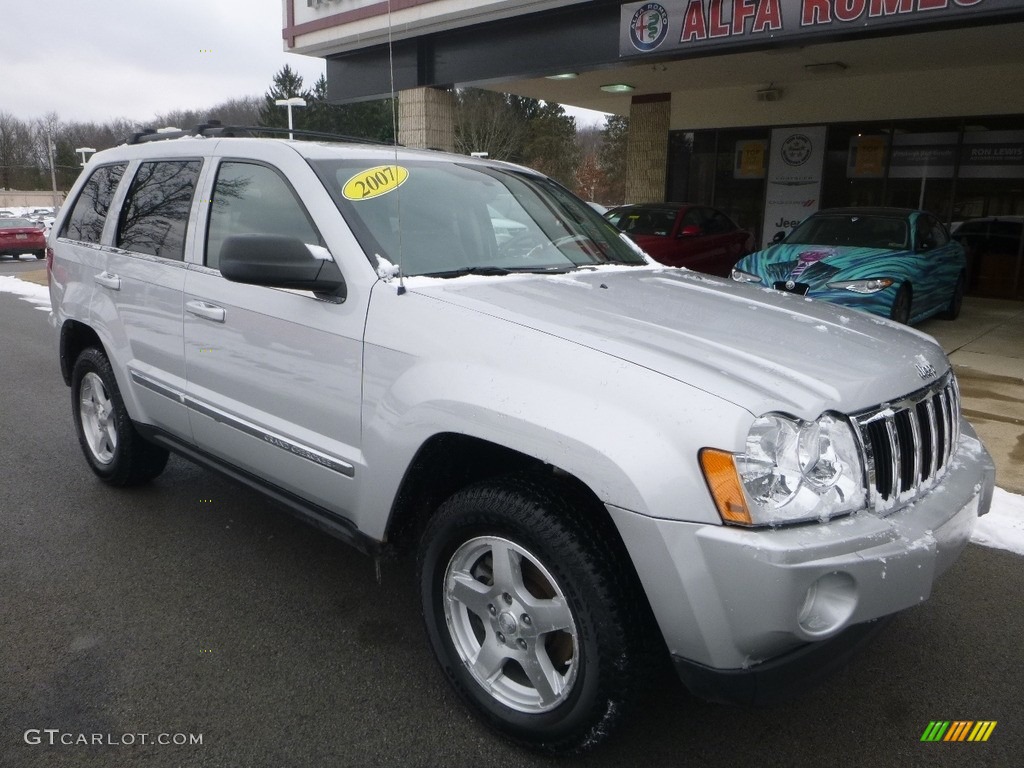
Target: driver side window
249 198
930 233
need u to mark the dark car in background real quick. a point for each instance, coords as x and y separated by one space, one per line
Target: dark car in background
894 262
995 255
18 236
683 235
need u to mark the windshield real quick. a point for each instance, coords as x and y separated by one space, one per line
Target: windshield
643 221
16 224
448 219
852 230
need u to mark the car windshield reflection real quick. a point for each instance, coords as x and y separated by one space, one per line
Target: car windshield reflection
855 230
453 219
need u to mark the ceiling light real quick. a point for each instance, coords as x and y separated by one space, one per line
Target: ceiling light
617 88
563 76
771 93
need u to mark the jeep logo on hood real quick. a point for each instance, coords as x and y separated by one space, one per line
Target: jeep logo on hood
925 369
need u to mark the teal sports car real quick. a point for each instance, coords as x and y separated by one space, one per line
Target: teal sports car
893 262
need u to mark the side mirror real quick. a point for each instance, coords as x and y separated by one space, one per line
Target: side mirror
278 261
779 237
691 230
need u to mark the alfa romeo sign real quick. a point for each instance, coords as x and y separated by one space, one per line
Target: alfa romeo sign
674 26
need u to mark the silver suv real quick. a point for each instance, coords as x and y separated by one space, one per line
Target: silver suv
599 462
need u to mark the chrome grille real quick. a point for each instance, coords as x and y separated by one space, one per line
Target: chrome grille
908 443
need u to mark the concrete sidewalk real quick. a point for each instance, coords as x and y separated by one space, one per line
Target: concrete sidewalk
986 346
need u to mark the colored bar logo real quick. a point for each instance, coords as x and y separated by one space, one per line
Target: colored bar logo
958 730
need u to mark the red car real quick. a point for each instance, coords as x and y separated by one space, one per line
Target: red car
18 236
683 235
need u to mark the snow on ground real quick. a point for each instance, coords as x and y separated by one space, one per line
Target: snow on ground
1001 528
38 295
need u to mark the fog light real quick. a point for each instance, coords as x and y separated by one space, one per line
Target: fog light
829 604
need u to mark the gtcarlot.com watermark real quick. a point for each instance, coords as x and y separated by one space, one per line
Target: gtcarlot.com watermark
55 737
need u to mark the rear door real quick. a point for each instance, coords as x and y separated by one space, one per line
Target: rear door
142 287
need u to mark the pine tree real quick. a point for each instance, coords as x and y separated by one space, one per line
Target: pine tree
287 84
363 120
612 157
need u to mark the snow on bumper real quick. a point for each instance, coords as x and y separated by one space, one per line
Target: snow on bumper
730 598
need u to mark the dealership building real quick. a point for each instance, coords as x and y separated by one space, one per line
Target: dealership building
766 109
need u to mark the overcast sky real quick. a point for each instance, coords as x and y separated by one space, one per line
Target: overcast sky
100 59
94 60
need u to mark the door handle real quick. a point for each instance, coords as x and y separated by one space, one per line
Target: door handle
108 280
209 311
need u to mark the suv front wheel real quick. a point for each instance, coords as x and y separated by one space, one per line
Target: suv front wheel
115 451
530 612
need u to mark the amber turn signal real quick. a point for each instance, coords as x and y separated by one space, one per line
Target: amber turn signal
724 483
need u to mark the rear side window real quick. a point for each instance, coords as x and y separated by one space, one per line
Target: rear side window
154 218
90 212
251 199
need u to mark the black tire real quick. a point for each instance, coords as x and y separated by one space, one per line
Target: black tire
956 301
573 571
117 453
40 254
900 311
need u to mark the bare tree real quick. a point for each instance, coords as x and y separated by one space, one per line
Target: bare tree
16 157
485 121
244 111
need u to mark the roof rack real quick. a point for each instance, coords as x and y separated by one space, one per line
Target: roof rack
214 128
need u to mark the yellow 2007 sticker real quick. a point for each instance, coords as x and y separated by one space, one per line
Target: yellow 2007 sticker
374 182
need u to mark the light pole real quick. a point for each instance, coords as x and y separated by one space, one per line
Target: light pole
295 101
53 172
83 151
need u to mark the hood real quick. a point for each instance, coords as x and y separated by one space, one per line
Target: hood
811 264
759 349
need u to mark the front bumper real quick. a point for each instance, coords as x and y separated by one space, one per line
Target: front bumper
729 599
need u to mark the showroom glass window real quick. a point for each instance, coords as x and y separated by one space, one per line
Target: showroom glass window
922 165
90 212
724 168
154 217
856 163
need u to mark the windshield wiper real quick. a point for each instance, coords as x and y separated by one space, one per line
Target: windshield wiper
491 271
469 271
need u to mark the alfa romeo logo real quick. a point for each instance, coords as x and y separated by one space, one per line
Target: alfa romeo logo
796 150
649 27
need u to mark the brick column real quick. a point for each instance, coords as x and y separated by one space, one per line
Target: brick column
647 148
426 119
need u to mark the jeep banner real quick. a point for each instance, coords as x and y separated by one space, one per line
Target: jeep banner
795 161
678 26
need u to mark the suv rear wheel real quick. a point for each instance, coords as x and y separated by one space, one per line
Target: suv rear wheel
530 612
115 451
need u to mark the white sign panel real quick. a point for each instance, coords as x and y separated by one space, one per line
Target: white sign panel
795 161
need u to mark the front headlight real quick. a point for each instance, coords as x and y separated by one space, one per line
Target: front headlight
744 277
863 286
790 471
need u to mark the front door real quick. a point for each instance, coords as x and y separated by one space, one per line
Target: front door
273 375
